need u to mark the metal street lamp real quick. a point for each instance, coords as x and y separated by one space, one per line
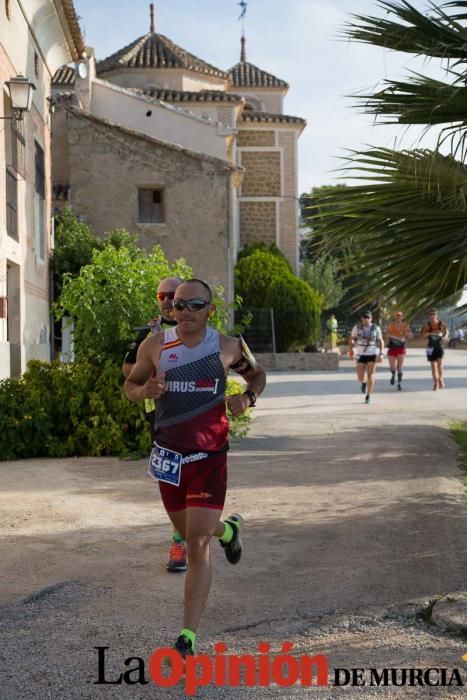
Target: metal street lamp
20 89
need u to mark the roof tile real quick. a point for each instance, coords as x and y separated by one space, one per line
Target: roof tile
156 51
245 74
250 115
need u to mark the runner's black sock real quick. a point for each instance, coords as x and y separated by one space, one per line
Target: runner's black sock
399 377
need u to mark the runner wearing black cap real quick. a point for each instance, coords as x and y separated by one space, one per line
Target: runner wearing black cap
366 344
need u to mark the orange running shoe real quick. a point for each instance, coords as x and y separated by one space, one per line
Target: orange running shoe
177 557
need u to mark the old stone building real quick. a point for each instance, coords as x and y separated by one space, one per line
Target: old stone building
200 160
36 38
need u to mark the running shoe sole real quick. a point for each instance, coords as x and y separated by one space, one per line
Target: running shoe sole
233 557
176 567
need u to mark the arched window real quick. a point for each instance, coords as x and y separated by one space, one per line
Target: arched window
255 104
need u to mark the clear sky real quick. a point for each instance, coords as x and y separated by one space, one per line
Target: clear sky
296 40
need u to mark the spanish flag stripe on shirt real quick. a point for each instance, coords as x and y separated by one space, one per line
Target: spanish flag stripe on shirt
173 344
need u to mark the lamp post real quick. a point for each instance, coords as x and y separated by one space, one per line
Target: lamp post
20 89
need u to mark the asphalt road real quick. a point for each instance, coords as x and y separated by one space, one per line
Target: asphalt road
355 524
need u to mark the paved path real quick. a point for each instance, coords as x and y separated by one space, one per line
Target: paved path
355 523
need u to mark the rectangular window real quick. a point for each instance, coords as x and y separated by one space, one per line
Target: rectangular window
18 160
11 205
39 201
150 206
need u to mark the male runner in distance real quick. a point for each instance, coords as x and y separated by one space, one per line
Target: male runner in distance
184 369
367 338
165 295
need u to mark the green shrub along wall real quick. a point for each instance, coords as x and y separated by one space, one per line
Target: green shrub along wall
58 410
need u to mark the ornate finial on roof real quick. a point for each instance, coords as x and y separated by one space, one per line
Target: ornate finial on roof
242 51
152 28
243 5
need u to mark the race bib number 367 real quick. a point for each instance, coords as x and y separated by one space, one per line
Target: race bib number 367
165 465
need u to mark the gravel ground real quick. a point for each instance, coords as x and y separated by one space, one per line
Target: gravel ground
355 524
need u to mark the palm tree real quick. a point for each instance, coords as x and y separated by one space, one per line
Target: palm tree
405 218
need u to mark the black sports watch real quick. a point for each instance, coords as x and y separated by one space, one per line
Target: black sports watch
252 397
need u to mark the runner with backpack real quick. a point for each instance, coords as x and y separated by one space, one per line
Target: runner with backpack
366 344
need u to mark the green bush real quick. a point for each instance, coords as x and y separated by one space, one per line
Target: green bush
297 313
80 409
254 275
238 426
265 280
264 247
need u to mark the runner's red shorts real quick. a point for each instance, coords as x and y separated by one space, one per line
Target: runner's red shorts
396 352
203 484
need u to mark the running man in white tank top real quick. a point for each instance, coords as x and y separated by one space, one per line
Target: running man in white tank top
184 369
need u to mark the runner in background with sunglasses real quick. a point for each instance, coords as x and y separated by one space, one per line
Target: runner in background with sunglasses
165 295
185 369
397 334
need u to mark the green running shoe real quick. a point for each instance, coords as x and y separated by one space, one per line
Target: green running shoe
233 549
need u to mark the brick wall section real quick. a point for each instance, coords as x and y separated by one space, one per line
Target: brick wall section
288 224
289 361
106 168
257 222
263 174
255 138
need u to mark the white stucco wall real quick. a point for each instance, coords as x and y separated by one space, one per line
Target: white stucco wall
34 27
167 78
167 123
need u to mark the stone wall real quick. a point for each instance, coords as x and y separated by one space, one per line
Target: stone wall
263 174
257 222
248 138
108 165
289 361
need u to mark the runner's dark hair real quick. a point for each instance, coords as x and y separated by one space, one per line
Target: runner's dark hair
204 284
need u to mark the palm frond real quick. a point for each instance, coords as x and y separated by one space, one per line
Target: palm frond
437 35
405 223
422 100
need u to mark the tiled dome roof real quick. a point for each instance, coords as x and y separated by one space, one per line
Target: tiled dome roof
245 74
156 51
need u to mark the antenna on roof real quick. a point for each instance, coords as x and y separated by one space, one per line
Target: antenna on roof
243 6
152 28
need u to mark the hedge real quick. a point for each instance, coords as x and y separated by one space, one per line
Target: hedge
64 410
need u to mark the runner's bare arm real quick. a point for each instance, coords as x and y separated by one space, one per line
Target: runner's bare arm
426 330
142 382
380 342
235 357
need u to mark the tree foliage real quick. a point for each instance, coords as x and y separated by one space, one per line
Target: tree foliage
323 276
112 296
405 218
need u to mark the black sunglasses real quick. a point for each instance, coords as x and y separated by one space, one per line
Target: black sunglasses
190 304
